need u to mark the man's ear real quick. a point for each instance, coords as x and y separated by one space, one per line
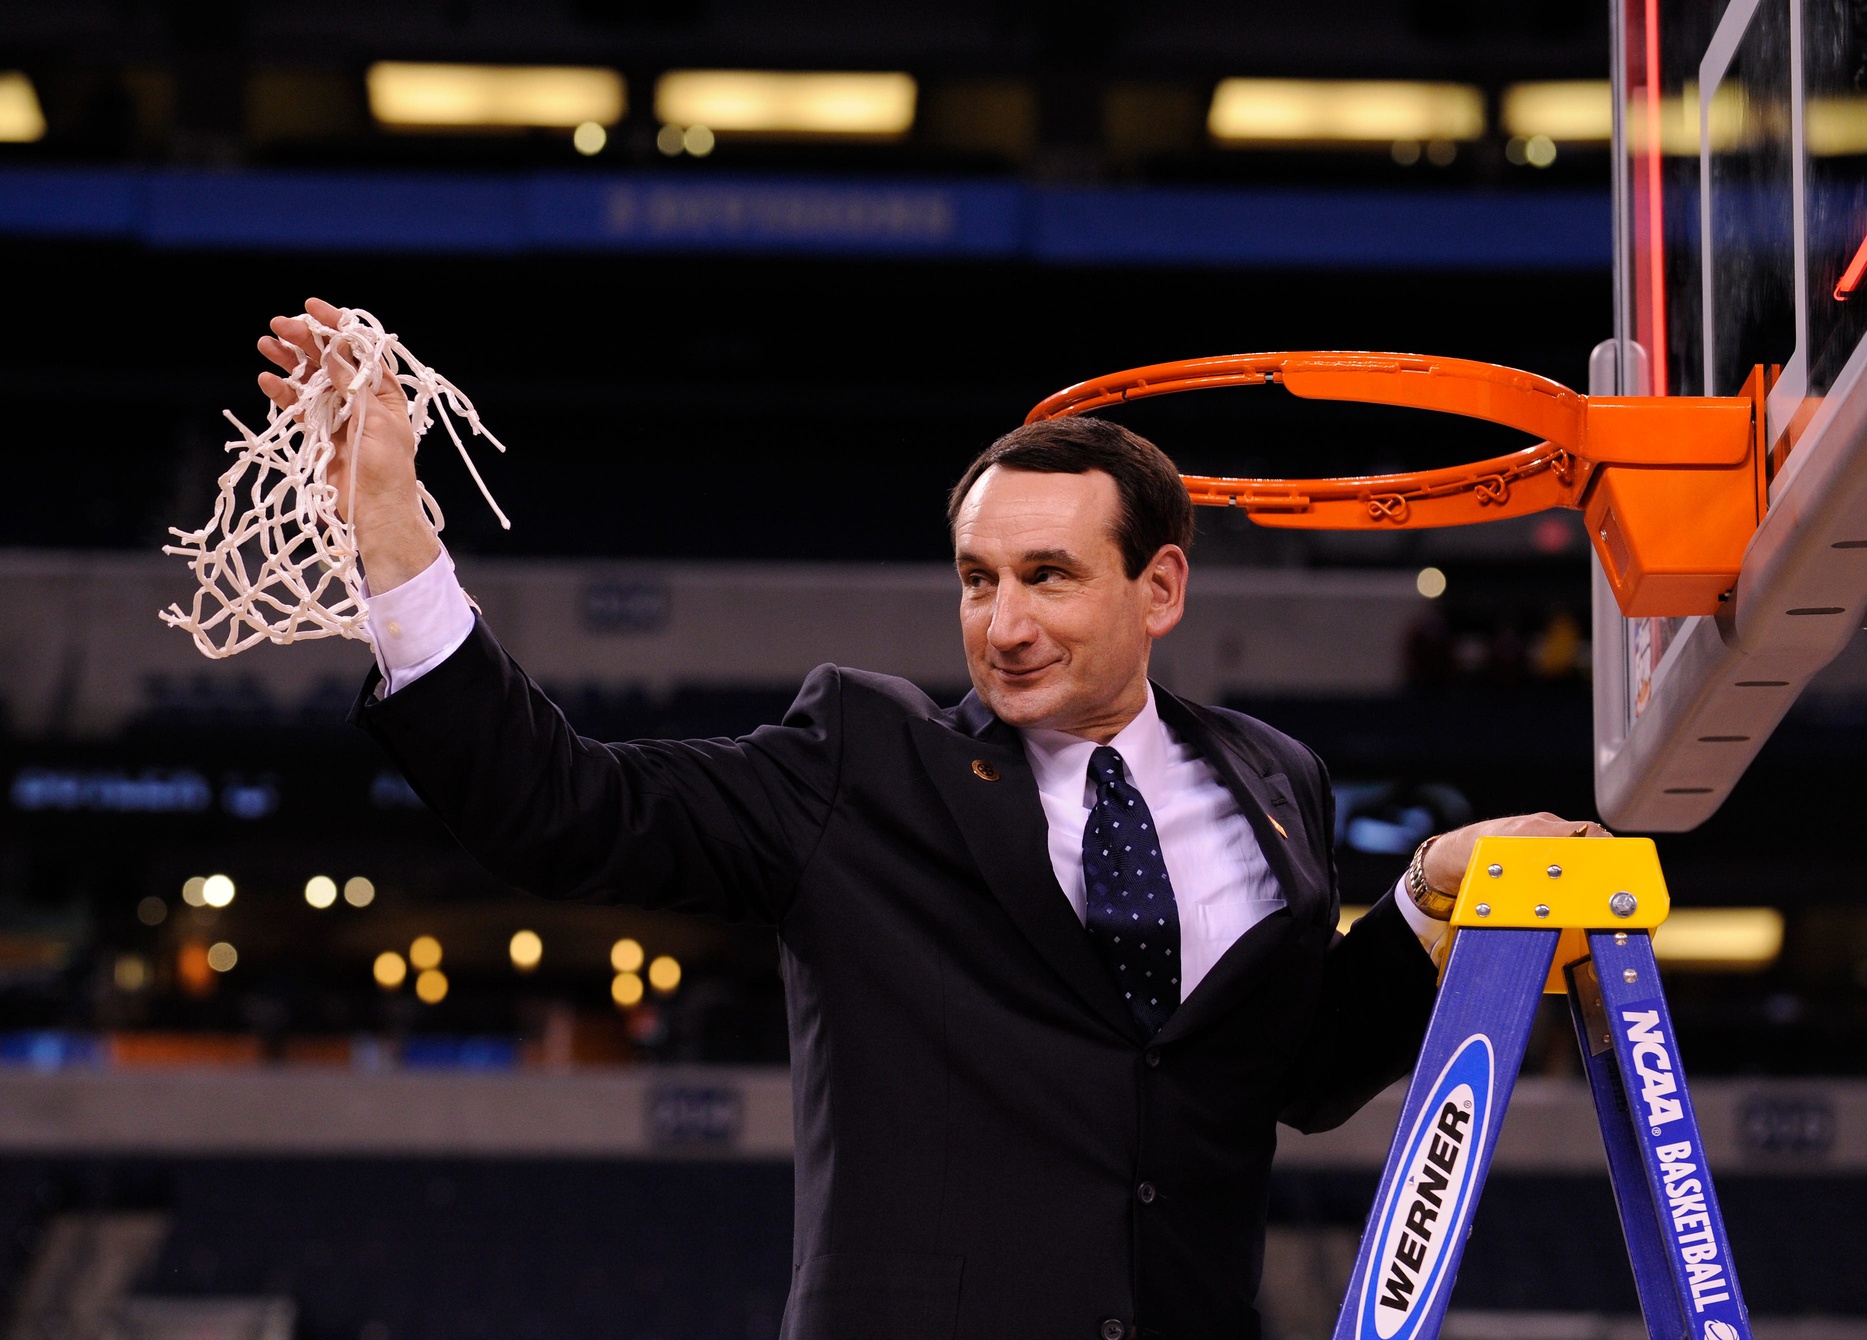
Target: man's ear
1165 577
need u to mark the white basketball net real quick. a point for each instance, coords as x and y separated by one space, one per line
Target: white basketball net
285 569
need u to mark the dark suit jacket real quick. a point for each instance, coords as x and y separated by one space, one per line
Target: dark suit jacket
987 1144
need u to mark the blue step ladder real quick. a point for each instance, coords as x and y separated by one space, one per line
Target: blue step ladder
1571 916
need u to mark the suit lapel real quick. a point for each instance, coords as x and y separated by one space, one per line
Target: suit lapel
1265 801
1004 827
1260 798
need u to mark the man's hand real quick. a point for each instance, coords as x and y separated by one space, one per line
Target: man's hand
393 535
1447 858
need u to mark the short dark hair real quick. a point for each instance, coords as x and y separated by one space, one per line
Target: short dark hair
1153 508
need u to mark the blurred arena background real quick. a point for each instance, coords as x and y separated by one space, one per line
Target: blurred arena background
743 287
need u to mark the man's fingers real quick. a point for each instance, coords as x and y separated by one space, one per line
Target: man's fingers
279 352
297 334
277 390
323 311
1542 825
1555 827
342 369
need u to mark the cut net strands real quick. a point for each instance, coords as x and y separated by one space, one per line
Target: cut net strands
285 569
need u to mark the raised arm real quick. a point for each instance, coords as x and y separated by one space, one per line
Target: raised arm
723 827
716 826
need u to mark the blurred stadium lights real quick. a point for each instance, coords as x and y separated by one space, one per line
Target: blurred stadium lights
626 989
390 970
431 986
193 971
806 105
359 892
1833 127
1581 111
674 141
1724 939
1679 117
131 972
527 948
321 891
1702 939
194 891
1345 112
411 96
1567 111
664 974
425 952
589 138
626 955
21 119
1561 111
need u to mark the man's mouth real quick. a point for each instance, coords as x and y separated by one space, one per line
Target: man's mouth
1027 672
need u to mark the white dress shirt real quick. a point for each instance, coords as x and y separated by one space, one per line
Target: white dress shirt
1222 884
419 624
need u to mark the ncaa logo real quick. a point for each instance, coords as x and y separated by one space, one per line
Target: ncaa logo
1430 1203
1720 1330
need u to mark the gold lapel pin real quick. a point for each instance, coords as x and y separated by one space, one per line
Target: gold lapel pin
1279 827
984 771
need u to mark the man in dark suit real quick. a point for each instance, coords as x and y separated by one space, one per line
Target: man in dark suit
1057 960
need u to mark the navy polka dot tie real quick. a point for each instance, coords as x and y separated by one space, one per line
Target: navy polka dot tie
1132 919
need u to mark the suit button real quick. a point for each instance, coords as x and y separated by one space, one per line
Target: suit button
1153 1058
1146 1192
1112 1329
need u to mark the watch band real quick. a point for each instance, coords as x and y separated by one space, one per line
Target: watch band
1436 903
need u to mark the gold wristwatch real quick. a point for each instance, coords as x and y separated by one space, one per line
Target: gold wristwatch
1436 903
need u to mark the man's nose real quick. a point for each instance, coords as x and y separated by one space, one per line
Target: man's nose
1011 624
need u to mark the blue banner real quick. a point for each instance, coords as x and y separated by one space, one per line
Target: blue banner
510 213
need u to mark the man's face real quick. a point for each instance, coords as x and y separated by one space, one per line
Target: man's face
1057 634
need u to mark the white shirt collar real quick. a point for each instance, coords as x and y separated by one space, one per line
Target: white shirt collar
1061 760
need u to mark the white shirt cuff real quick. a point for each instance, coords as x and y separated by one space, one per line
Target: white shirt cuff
1428 929
419 624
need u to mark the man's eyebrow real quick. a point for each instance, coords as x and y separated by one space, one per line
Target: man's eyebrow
1062 556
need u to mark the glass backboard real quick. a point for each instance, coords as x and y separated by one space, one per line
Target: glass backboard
1740 202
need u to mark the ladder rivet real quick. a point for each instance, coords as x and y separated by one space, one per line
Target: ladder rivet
1555 872
1542 909
1494 870
1620 937
1630 976
1623 904
1483 909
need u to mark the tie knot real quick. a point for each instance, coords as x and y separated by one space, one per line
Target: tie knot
1105 765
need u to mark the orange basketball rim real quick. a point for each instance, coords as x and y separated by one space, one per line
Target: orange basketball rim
1672 487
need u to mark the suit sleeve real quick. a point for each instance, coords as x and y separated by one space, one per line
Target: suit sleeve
1378 986
723 827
